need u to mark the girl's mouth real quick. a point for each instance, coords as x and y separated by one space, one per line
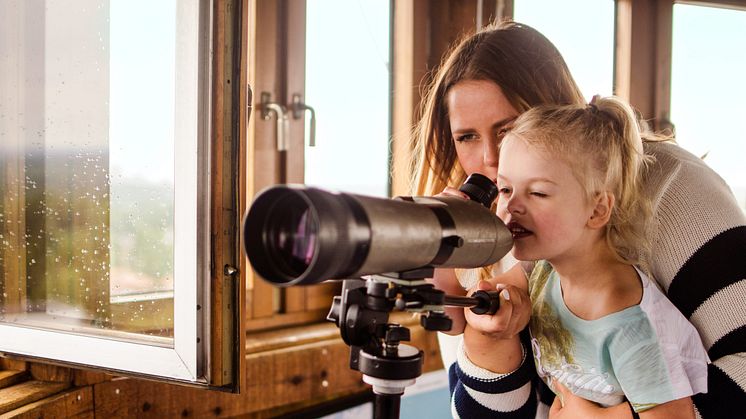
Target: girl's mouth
518 231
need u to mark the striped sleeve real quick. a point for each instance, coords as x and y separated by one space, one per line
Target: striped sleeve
699 258
476 392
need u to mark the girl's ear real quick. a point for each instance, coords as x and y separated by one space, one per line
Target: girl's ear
603 204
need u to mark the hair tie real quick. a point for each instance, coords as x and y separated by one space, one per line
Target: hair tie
592 104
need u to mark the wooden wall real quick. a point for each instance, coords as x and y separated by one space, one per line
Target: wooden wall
286 372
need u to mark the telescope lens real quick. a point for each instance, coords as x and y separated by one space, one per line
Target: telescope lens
292 236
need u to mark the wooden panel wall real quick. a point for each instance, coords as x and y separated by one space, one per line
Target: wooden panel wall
285 372
642 70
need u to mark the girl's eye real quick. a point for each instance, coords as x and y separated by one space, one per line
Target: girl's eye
503 191
539 194
465 138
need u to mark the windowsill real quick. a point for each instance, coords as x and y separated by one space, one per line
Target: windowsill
264 341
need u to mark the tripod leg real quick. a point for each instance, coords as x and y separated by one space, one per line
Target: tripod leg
386 406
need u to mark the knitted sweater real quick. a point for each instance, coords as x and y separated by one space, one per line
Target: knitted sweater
699 243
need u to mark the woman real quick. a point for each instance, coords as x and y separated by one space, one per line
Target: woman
485 83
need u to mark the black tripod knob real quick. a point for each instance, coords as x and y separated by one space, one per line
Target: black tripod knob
488 302
436 321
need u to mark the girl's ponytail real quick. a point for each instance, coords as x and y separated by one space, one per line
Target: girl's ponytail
627 227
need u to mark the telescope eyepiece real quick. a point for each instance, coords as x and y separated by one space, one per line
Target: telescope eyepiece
480 188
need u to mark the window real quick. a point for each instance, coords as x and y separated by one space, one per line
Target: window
707 89
331 56
350 93
104 210
583 32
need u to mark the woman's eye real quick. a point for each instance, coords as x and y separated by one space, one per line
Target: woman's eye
503 191
465 138
539 194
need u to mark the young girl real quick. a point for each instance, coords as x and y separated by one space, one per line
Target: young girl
569 191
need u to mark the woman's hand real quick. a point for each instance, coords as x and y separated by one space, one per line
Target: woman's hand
491 341
510 318
449 191
569 406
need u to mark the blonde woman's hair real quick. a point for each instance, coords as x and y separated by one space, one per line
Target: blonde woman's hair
521 61
526 66
602 143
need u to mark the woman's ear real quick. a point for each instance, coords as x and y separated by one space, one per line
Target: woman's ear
603 204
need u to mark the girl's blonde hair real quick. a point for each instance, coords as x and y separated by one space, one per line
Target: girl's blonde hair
602 143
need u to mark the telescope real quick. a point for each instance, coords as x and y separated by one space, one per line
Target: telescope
299 235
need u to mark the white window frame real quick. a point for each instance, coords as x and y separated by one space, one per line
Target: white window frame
184 359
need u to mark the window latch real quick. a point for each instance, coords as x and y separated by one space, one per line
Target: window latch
299 108
267 108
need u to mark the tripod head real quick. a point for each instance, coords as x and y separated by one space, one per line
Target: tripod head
362 315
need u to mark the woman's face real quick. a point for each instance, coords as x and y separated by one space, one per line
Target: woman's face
478 112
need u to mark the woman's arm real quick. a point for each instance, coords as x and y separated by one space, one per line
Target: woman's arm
491 341
494 373
676 409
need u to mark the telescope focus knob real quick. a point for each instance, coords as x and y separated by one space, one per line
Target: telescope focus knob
480 188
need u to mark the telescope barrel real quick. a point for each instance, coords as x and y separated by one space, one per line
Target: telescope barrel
297 235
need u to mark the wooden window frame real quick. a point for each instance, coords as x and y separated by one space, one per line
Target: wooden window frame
277 67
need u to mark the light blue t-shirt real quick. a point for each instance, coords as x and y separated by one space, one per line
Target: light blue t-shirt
648 353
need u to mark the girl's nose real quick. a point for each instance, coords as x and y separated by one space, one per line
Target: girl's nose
514 205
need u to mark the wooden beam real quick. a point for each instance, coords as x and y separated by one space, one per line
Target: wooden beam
27 392
409 64
11 377
642 61
264 76
76 403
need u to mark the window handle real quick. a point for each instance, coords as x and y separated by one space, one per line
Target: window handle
283 125
299 108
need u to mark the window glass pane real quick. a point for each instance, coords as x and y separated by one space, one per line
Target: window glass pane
347 83
583 32
707 89
87 187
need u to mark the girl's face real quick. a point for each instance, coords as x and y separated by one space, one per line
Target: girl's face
542 203
478 112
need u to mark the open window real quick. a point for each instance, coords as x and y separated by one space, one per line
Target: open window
322 106
112 190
